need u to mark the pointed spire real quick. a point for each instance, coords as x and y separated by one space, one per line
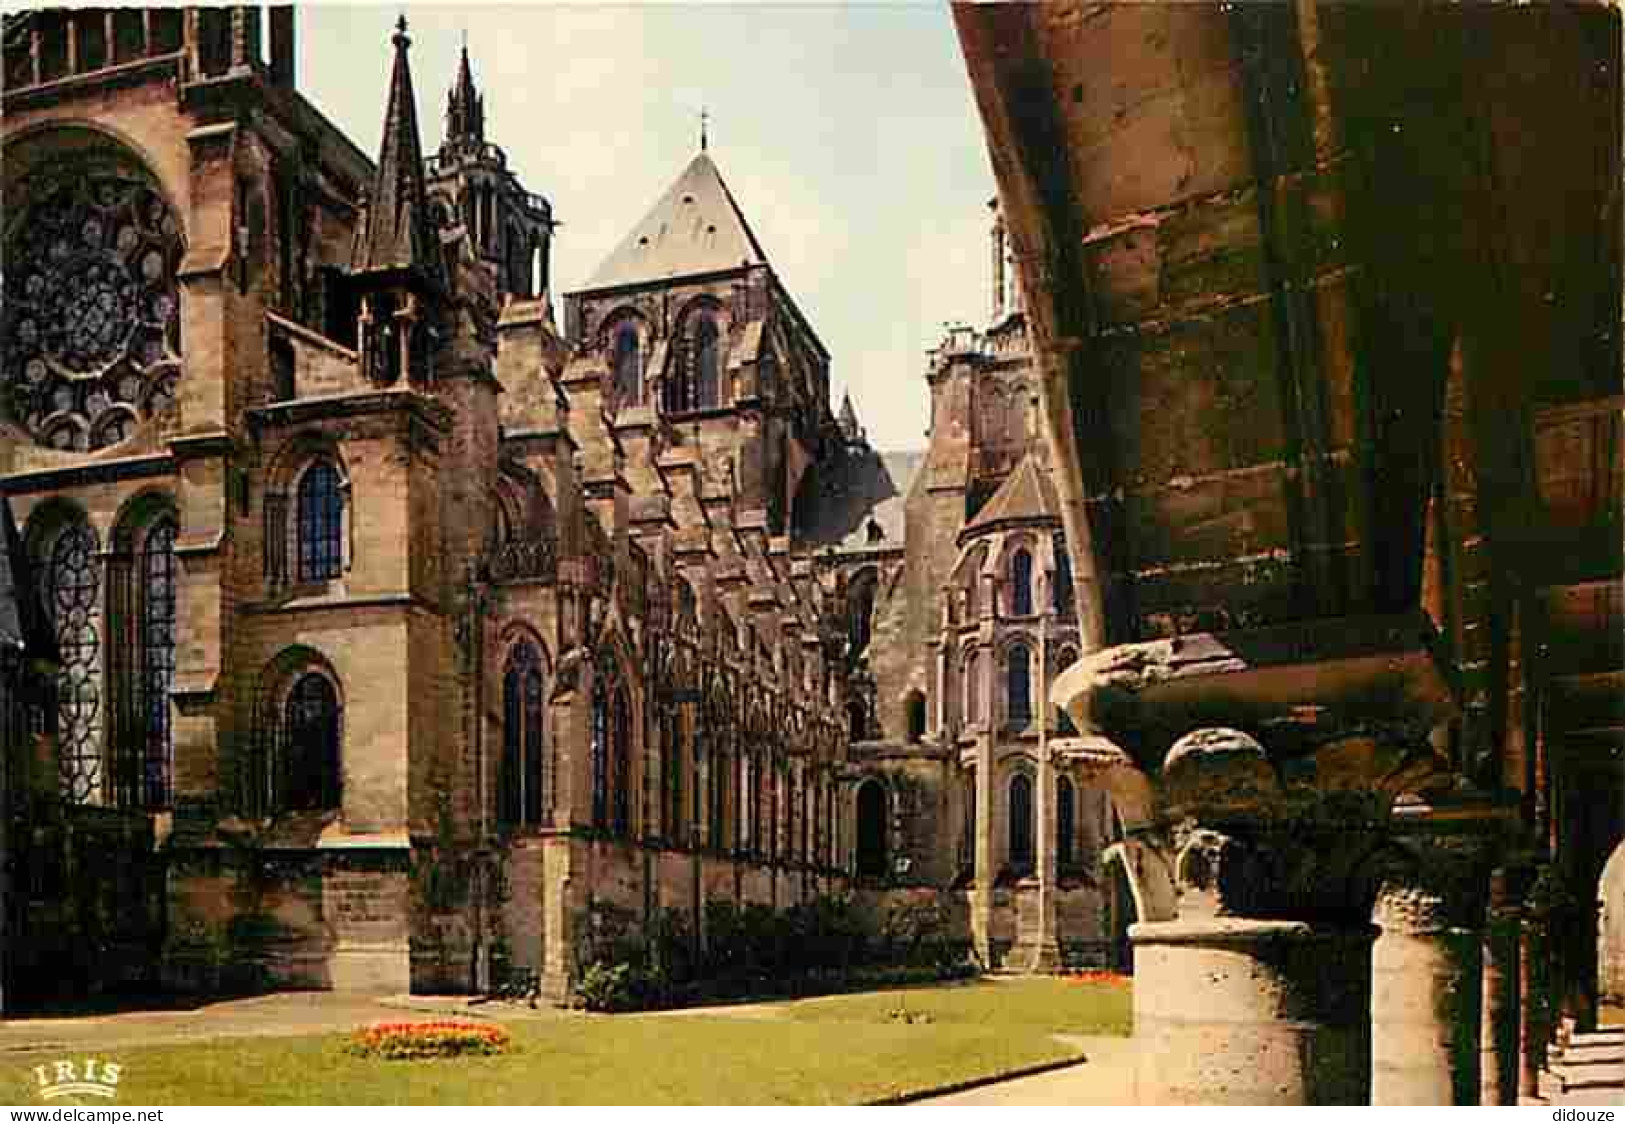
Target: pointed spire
465 110
848 420
396 233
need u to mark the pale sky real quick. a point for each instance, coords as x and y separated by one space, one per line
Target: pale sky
847 133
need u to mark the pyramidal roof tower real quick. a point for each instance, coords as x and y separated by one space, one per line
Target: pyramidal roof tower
397 236
695 228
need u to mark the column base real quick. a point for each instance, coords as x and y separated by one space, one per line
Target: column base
1244 1012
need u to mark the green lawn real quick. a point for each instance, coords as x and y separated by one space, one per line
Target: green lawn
841 1050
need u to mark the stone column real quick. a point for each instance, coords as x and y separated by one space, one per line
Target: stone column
1258 991
1531 1025
1498 1035
1425 1000
1044 954
981 913
1252 869
1241 1011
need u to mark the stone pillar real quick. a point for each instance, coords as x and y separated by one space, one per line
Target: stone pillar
1252 870
1044 953
1258 992
981 911
1235 1011
1498 1036
1425 998
1528 1024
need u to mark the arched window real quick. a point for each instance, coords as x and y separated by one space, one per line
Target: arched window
627 365
707 344
1019 679
157 637
860 615
1021 823
1063 577
1021 583
520 783
760 822
915 704
312 772
871 830
857 721
1066 820
72 591
973 686
621 739
967 843
600 749
671 760
320 523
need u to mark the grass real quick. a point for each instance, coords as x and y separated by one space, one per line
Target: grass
842 1050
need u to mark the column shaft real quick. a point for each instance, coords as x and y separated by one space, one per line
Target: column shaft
1243 1012
1498 1039
1425 1017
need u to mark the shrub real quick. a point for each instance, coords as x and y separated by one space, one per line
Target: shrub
815 947
445 1039
606 987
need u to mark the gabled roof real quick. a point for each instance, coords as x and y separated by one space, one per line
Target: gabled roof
696 227
22 623
396 235
1027 495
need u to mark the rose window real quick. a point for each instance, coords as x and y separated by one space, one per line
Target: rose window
90 313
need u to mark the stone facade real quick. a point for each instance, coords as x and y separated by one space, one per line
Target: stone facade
403 635
958 582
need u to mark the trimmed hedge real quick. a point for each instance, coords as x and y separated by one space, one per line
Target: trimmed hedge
818 947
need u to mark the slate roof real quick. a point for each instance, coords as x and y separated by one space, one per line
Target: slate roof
1027 495
860 486
22 624
696 227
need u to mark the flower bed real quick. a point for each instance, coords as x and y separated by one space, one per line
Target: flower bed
443 1039
1097 975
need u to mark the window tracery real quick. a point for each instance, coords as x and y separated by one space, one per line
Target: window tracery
73 598
90 311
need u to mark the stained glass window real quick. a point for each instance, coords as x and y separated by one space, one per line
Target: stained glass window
1019 675
321 523
671 749
519 788
74 596
312 769
1066 820
707 363
1021 584
157 660
628 366
600 753
973 686
90 310
1063 577
621 737
1021 822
